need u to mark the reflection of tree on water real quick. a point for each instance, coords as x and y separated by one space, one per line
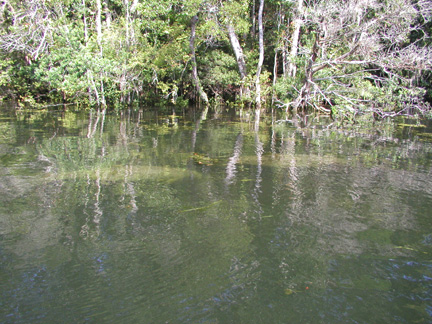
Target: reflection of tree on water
192 248
233 160
135 224
328 211
92 125
96 213
130 191
258 179
203 117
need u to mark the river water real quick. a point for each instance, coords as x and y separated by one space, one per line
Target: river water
208 217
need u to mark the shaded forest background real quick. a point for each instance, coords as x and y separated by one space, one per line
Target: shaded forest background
341 57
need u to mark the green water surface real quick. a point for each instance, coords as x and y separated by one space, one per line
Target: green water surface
207 218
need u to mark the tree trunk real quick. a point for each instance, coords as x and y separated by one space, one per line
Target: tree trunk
102 101
134 5
126 4
276 56
253 20
85 43
261 54
275 76
195 77
304 95
99 25
107 13
85 21
292 68
238 52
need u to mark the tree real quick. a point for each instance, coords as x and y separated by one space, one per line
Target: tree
100 95
292 68
195 77
359 55
238 51
341 56
228 15
261 54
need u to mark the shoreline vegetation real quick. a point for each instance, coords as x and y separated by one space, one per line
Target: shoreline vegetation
341 58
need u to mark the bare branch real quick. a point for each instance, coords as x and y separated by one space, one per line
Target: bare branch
364 37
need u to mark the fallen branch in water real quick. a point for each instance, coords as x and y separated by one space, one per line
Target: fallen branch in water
200 208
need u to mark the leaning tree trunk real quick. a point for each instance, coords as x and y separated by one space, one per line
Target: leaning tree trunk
241 63
304 96
195 77
292 67
261 55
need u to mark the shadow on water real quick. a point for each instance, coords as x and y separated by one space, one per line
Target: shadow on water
209 217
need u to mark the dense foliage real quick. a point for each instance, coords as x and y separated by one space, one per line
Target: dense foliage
341 57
